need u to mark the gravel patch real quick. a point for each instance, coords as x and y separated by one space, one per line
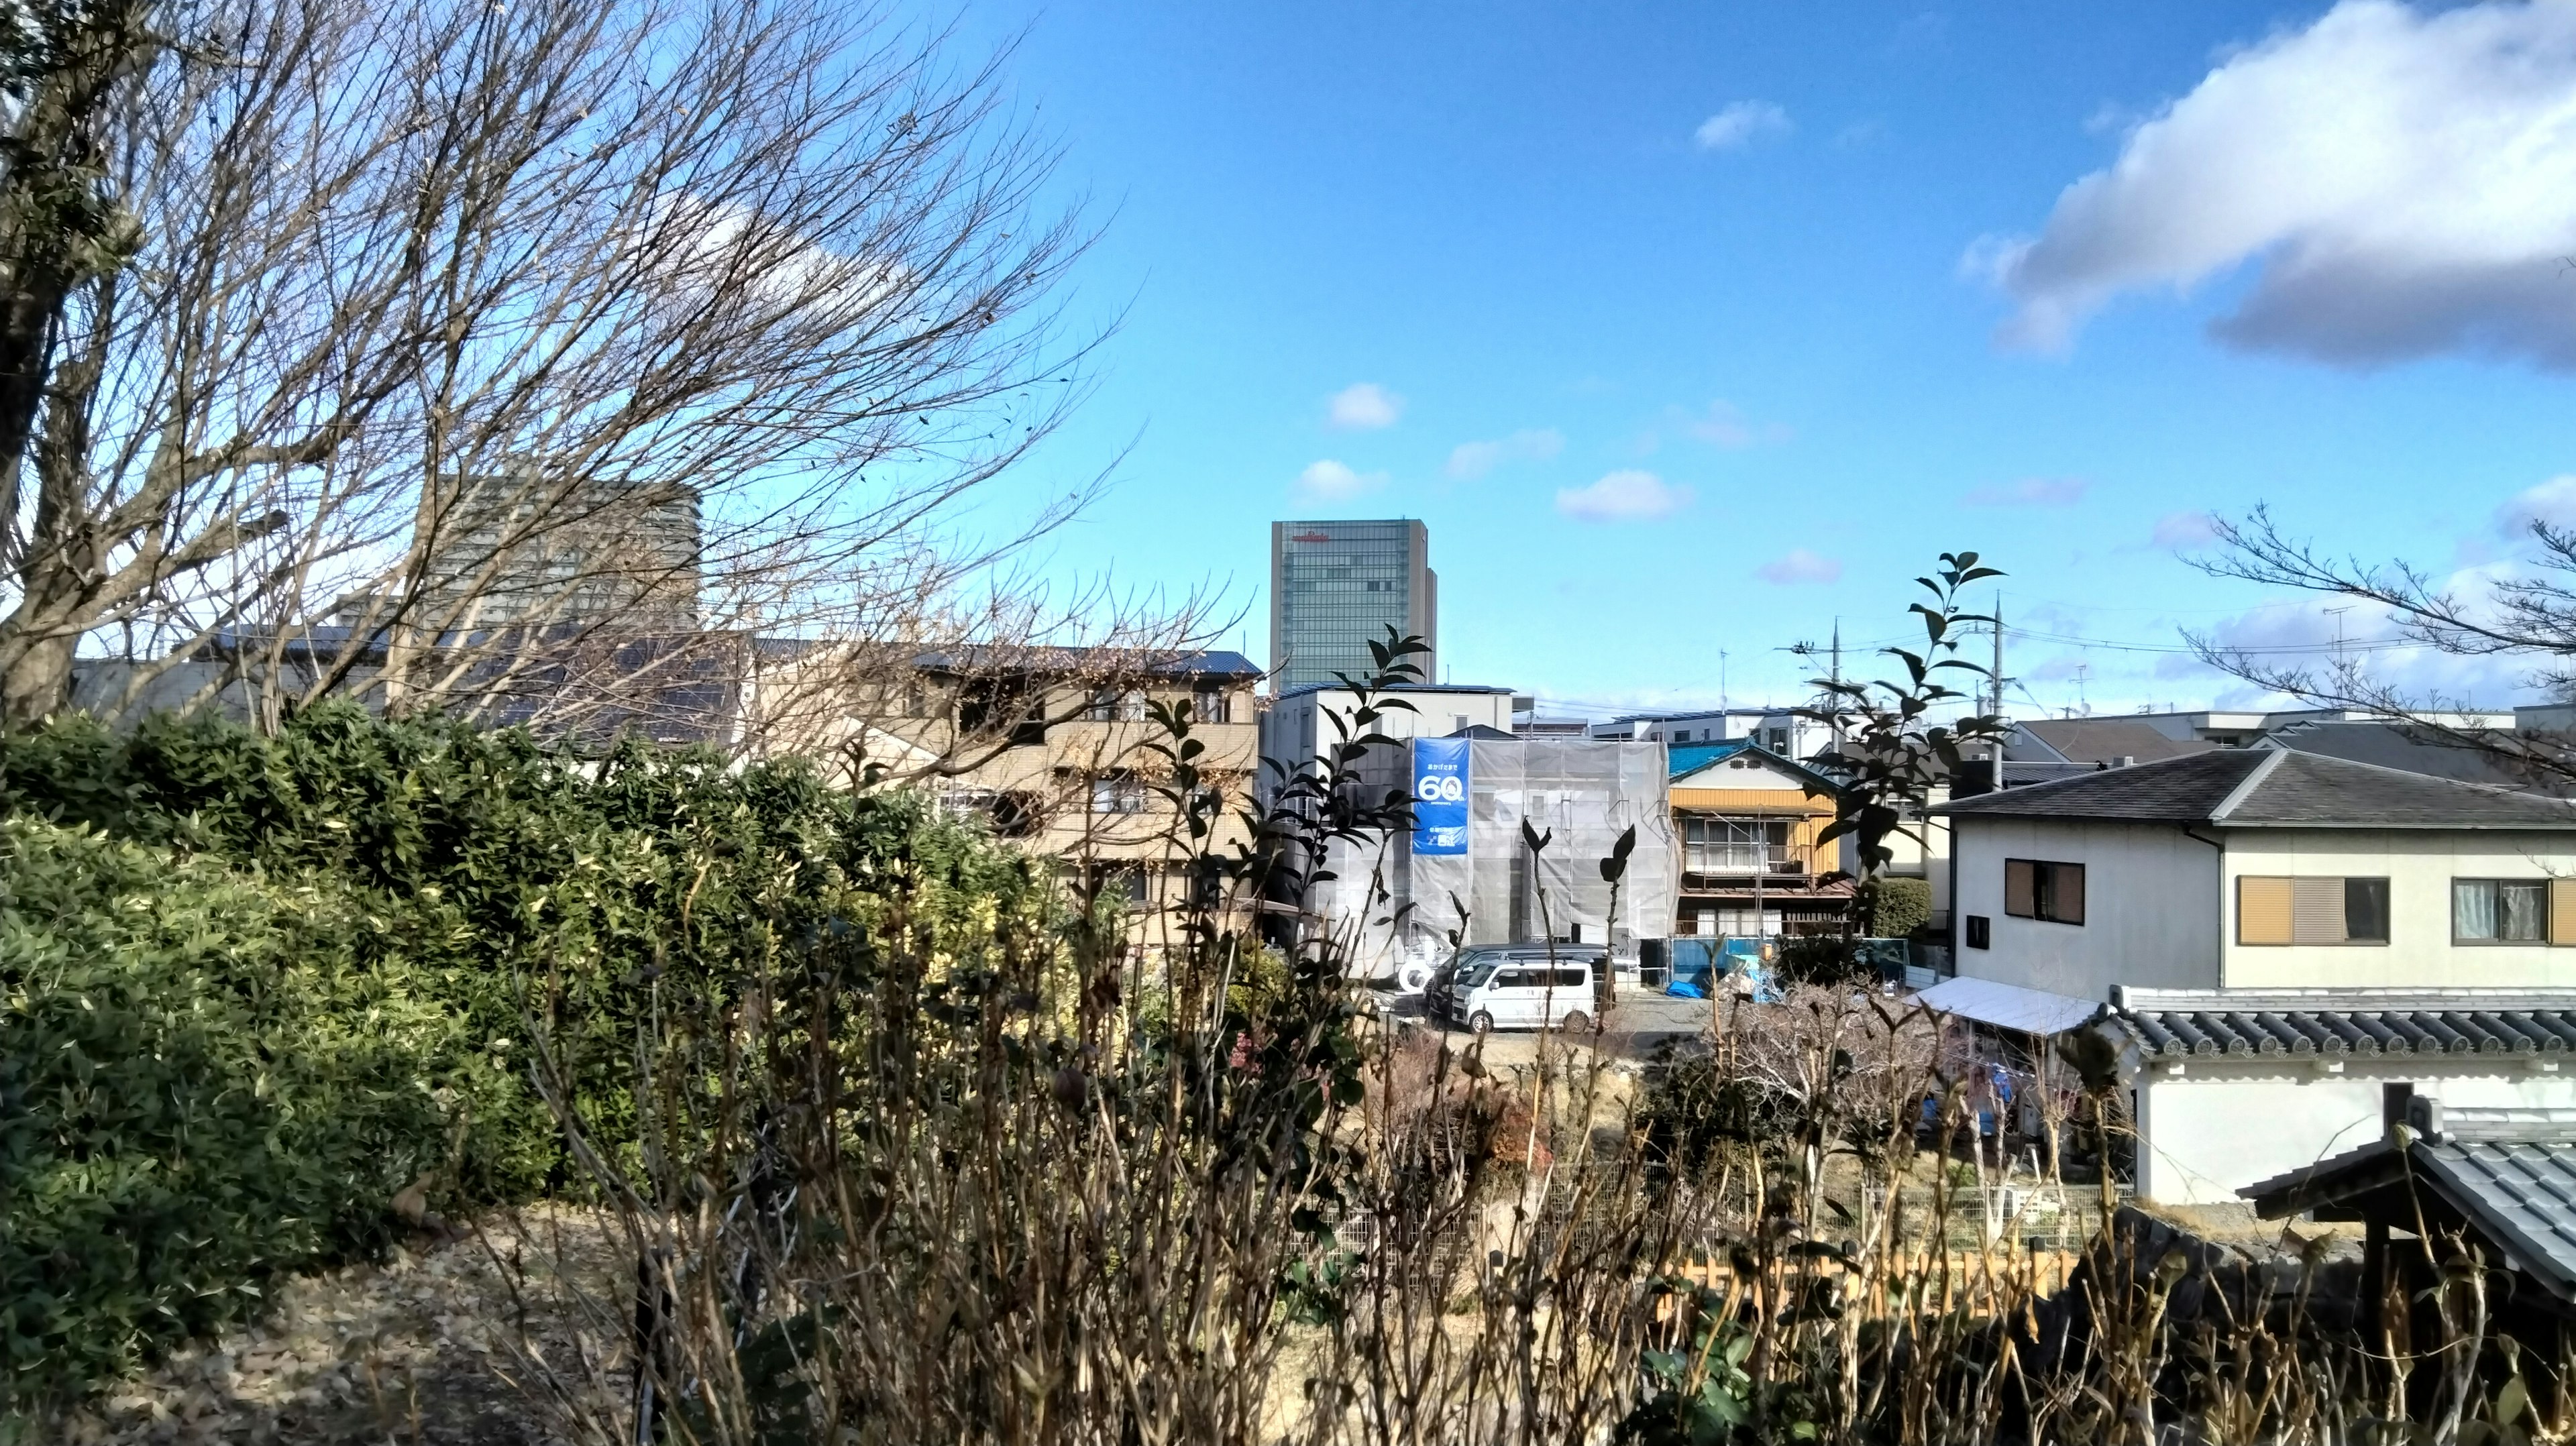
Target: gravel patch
426 1349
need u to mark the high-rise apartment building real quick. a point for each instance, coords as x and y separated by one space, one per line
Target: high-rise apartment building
1335 587
524 549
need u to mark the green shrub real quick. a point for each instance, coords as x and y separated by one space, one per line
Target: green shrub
529 889
199 1091
1893 908
253 985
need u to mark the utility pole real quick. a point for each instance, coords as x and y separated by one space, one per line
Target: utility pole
1995 677
1837 675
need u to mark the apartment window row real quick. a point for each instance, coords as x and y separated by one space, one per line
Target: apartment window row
1112 705
2278 909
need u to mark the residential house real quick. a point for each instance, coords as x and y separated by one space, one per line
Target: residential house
2304 929
1747 823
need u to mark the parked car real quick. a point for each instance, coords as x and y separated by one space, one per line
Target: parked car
1517 991
1441 990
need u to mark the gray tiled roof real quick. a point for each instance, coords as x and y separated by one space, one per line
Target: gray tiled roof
2507 760
2516 1184
2087 740
2173 790
2186 1024
2272 788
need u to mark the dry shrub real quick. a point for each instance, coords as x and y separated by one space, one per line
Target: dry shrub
960 1195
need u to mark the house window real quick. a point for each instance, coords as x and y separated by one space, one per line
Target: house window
1208 706
1117 793
2271 909
2038 889
1735 846
1779 741
1981 933
2513 911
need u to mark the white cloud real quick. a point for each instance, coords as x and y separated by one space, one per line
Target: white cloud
1799 566
2030 492
2553 502
1364 406
1624 496
2405 181
1722 424
1471 460
1740 124
1331 481
2183 531
2312 634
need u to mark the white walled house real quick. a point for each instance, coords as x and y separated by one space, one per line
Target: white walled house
2236 1086
2262 868
2281 935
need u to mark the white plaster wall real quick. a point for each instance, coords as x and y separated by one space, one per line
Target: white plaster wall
2151 906
2216 1128
2419 865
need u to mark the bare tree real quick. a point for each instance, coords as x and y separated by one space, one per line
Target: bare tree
506 358
2528 616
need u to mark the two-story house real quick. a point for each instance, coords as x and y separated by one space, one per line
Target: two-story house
2278 938
1746 821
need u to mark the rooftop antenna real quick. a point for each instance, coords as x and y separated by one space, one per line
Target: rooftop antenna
2337 615
1721 681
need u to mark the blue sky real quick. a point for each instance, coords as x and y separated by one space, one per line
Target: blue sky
1691 328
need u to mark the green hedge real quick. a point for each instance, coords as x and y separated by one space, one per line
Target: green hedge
1894 907
255 984
199 1092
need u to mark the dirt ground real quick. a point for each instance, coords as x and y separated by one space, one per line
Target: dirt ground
422 1350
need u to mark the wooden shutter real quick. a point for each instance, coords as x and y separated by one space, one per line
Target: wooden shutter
2021 888
2262 910
2316 911
2562 911
2066 893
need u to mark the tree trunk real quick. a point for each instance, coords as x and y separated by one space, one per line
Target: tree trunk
35 681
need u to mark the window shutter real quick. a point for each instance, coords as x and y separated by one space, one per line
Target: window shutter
2316 911
2262 910
2562 911
2021 888
2066 893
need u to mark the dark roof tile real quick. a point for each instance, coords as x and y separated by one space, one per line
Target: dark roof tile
2175 790
2272 787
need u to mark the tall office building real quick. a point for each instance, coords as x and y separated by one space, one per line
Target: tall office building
1335 587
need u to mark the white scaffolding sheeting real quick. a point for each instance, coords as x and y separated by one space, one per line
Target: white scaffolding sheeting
1579 794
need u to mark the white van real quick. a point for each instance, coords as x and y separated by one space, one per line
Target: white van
1520 992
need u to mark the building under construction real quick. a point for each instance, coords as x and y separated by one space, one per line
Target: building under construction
1466 874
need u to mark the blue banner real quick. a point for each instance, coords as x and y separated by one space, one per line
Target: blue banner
1439 795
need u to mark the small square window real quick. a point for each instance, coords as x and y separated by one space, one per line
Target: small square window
1980 932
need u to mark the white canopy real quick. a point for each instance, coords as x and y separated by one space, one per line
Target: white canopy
2008 1006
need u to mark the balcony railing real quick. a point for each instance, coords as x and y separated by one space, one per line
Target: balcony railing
1739 860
